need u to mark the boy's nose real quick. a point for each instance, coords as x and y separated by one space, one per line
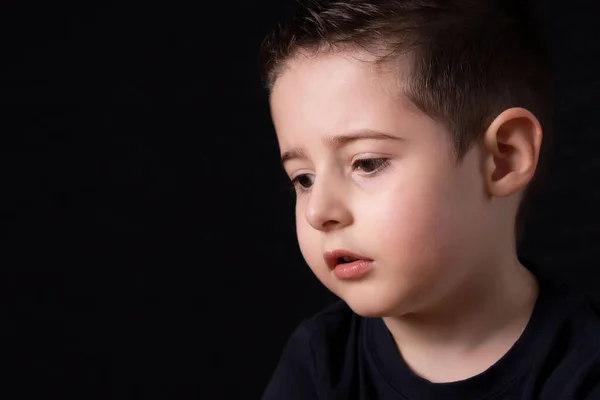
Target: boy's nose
327 207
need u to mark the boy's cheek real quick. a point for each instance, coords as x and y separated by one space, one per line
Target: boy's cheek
413 232
310 247
404 215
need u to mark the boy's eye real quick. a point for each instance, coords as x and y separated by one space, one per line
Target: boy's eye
370 165
304 181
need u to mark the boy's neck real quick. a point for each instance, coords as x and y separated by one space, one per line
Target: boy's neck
471 328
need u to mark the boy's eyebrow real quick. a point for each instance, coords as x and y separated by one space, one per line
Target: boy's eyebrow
340 141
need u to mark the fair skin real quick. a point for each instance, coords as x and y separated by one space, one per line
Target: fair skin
446 278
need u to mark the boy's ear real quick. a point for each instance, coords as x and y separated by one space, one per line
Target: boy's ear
512 145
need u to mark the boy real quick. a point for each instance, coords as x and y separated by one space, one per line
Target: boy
410 130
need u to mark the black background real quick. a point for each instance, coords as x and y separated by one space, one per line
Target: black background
149 247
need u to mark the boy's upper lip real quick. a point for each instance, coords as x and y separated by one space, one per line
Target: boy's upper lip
332 257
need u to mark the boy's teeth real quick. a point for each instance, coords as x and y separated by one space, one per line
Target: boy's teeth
348 259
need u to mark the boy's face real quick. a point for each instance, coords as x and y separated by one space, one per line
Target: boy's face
411 210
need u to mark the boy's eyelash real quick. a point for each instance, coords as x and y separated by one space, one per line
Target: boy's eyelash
383 164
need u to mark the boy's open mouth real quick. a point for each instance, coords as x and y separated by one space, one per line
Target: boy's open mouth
346 259
341 256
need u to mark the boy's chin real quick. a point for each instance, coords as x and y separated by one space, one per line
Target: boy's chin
376 306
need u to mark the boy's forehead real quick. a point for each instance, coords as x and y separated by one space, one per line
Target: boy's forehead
333 93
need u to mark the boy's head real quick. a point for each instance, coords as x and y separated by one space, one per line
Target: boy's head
411 129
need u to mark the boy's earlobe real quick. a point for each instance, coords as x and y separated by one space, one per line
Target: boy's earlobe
512 145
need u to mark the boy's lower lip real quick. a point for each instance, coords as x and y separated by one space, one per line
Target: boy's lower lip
354 269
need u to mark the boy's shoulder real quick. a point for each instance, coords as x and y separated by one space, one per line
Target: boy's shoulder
322 350
586 321
563 308
568 306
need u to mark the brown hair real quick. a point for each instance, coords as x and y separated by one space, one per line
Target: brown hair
470 59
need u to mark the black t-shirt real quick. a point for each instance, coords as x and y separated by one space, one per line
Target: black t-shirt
339 355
